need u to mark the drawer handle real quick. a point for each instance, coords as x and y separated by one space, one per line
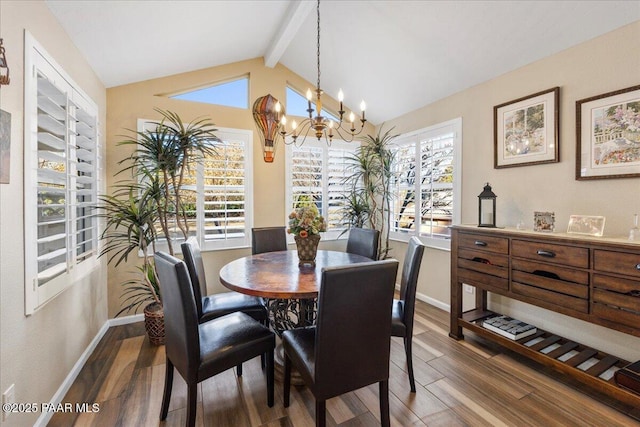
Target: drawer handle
637 266
548 274
481 243
547 254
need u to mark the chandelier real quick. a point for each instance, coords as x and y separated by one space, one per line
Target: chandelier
318 125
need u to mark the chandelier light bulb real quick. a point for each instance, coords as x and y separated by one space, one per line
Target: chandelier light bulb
294 125
340 95
284 121
363 106
278 107
352 117
330 124
309 95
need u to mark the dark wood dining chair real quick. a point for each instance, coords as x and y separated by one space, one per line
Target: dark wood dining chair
268 239
346 351
363 241
201 350
404 308
216 305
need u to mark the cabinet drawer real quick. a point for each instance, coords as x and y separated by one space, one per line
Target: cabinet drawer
549 297
487 258
616 299
483 242
570 256
617 262
616 284
482 280
616 315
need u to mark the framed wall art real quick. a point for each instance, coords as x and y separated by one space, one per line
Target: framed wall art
608 135
525 130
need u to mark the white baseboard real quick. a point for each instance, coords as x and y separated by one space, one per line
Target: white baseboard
45 417
429 300
434 302
126 320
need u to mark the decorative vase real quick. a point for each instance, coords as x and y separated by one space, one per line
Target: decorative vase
307 249
154 323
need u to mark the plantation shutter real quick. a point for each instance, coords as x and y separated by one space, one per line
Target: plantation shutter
436 189
423 182
307 177
404 189
225 189
60 176
337 172
52 185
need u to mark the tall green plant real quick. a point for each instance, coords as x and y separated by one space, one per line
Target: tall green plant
369 198
129 228
145 204
161 160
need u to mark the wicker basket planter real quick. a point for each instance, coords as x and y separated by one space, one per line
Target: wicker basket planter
154 323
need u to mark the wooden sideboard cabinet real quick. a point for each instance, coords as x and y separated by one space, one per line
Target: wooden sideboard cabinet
589 278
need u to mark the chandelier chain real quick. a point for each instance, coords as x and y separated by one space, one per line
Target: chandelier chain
318 51
318 125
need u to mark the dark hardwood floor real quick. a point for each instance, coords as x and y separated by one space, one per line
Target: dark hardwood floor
460 383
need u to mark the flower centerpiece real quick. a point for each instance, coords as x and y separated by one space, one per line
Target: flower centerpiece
306 223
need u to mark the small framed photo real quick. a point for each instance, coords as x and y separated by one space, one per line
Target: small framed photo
588 225
526 130
608 135
544 221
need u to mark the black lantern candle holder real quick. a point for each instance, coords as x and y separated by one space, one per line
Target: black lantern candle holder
487 208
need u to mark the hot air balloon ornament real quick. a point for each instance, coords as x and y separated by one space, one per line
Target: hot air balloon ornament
266 113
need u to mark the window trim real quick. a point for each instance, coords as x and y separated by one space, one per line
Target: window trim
37 60
456 127
327 235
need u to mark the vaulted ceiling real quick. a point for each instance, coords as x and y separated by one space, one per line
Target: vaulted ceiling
396 55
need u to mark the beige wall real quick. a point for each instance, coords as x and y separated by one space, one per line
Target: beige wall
604 64
128 103
37 352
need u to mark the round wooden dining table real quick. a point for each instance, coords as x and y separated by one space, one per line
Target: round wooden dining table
289 290
277 274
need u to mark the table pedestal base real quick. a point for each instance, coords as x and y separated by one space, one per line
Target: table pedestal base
287 314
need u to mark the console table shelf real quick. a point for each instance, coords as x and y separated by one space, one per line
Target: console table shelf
596 280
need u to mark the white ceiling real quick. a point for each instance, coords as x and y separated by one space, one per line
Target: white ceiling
396 55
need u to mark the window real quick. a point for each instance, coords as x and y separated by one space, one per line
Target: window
426 183
61 178
297 105
231 94
218 192
316 173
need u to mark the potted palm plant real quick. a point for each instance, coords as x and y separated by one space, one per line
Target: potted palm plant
368 201
150 206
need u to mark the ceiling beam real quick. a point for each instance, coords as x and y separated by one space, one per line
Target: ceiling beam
296 15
